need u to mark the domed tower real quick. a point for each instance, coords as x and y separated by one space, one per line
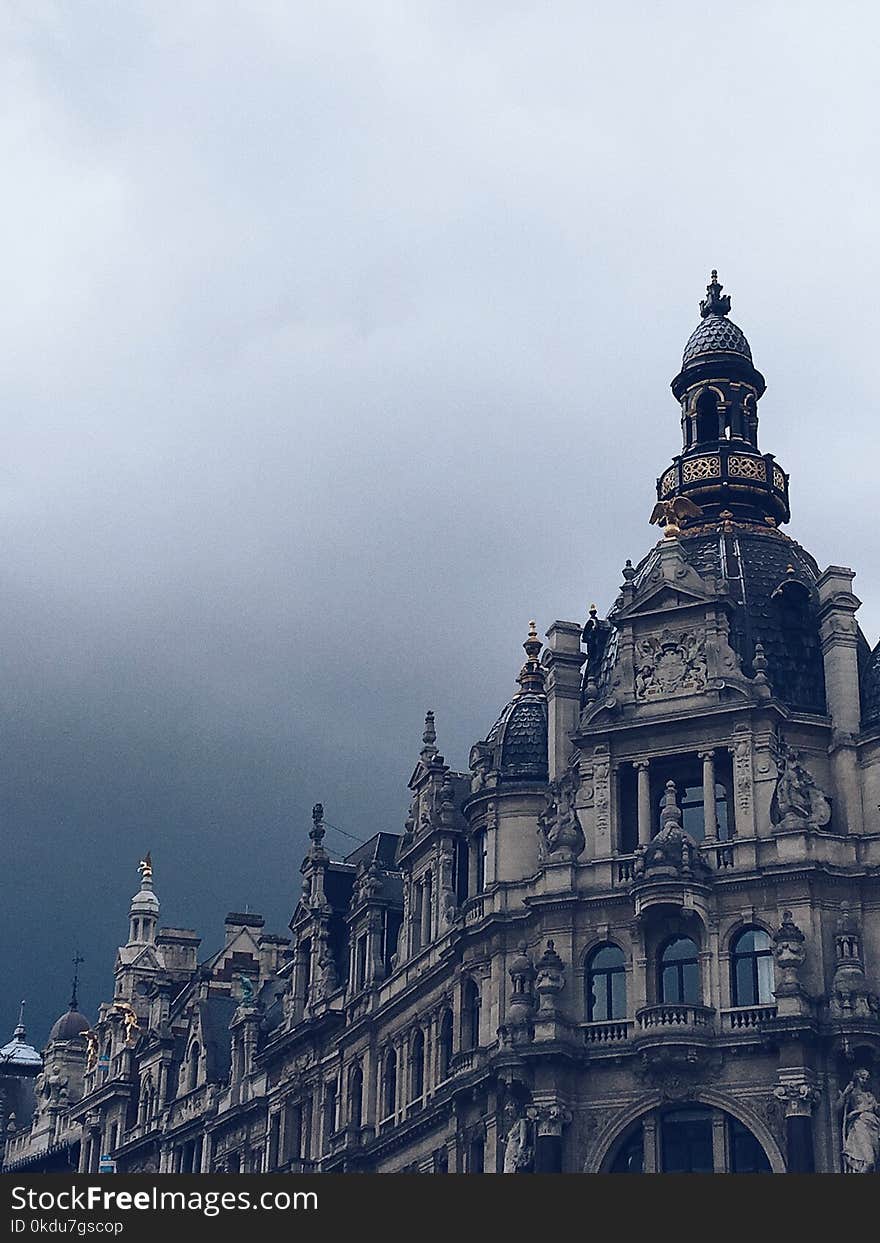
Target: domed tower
742 498
718 388
510 772
144 911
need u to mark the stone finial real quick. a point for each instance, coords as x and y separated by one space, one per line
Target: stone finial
531 676
670 812
629 571
429 737
714 303
317 831
790 954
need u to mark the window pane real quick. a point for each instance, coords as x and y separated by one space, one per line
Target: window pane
630 1154
691 983
607 956
669 986
744 984
683 947
618 995
686 1143
766 982
598 1008
746 1154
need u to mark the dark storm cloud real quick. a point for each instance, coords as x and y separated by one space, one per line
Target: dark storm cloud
335 345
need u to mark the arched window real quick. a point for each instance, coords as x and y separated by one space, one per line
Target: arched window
470 1015
606 984
355 1096
445 1044
707 417
751 968
192 1076
417 1067
679 973
389 1084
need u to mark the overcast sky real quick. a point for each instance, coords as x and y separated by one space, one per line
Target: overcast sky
336 344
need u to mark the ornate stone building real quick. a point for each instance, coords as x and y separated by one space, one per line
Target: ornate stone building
641 933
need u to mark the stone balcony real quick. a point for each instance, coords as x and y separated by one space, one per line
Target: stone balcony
670 1021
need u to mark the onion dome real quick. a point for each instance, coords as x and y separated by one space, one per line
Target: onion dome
715 333
17 1056
717 342
71 1025
516 747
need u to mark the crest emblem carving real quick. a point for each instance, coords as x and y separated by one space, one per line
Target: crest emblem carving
671 663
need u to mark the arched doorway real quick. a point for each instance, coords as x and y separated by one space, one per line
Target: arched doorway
687 1139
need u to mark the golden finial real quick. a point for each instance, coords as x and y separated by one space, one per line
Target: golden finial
145 867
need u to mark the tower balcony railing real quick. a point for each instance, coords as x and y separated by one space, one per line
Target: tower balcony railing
670 1016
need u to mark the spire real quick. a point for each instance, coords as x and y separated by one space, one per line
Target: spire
20 1033
74 1000
714 303
531 676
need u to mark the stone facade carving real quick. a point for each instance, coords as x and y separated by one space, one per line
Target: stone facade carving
519 1152
671 663
560 836
860 1126
797 800
851 997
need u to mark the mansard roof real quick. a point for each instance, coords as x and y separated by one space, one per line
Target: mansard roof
770 581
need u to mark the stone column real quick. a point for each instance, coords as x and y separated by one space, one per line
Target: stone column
797 1089
839 632
710 817
562 660
643 769
549 1121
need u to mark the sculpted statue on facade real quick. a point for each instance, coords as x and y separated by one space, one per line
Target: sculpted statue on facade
797 800
518 1148
560 836
860 1126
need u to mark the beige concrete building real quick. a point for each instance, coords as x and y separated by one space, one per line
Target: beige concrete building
641 933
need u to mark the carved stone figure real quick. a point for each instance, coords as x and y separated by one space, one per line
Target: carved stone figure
797 800
518 1150
671 663
560 836
860 1126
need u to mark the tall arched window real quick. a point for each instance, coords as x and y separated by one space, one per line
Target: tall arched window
389 1084
679 973
417 1067
470 1015
192 1076
606 984
751 968
445 1044
355 1096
